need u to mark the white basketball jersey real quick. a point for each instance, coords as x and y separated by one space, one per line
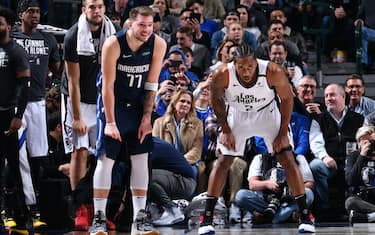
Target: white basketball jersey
253 98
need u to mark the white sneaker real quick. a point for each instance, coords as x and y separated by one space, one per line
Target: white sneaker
234 214
154 211
200 196
206 229
170 216
247 217
141 225
306 223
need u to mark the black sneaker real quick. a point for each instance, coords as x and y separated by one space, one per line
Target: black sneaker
37 223
22 228
357 217
2 227
306 222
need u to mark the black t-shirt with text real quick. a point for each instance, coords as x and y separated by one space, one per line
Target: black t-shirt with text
13 58
42 50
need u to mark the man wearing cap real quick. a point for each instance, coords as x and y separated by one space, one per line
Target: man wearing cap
43 57
232 16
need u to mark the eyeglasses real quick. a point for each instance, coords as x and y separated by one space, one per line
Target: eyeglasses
306 86
354 86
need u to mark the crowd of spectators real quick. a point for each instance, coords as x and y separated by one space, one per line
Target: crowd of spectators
329 138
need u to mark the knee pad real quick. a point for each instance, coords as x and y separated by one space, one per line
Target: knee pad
139 175
103 173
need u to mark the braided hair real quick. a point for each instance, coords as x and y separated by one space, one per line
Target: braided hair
244 50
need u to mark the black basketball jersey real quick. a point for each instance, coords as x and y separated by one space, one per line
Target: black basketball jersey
13 58
131 71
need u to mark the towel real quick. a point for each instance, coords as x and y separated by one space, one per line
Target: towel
85 45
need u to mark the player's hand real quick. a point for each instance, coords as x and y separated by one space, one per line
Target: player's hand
79 126
15 124
227 139
144 129
330 162
280 142
112 131
65 168
205 84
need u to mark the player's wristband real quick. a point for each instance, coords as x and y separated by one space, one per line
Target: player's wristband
151 86
110 124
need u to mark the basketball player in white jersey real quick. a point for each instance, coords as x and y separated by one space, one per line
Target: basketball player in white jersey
252 97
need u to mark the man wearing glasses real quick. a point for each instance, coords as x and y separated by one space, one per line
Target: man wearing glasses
354 88
306 92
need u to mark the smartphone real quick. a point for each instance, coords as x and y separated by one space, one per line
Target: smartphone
196 16
173 79
175 63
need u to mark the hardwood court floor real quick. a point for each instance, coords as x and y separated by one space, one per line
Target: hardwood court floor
285 229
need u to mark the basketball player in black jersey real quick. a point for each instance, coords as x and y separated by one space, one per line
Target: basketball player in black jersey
131 64
14 79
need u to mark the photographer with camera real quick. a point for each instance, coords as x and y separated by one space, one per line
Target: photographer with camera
175 66
360 177
275 202
268 197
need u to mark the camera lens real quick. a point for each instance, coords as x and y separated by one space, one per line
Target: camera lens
272 208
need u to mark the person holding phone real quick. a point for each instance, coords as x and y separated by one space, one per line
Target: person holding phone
199 36
278 54
175 65
168 22
207 25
